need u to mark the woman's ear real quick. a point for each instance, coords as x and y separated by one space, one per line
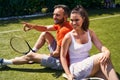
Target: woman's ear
83 18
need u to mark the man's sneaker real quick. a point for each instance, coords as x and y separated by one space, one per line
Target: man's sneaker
1 62
32 51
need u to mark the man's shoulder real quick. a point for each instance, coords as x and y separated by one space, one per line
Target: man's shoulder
68 25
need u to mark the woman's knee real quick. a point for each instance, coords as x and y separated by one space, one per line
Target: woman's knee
97 57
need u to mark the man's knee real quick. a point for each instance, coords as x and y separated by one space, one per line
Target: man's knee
29 56
44 33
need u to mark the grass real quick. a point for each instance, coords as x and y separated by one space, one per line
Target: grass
107 29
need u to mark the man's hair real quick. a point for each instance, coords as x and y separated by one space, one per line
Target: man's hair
64 7
82 12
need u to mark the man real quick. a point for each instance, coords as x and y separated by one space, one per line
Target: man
62 26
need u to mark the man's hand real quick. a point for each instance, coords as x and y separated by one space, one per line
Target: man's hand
27 26
55 54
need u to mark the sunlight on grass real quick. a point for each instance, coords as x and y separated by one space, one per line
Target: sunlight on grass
107 30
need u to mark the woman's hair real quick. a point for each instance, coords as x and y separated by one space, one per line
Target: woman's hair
82 12
64 7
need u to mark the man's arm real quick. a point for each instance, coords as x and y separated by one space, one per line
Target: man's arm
39 27
56 53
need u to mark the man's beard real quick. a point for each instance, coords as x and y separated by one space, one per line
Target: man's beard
59 21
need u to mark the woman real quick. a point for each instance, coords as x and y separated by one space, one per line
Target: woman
78 43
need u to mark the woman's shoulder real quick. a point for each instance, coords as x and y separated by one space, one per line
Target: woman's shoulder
68 35
91 32
67 38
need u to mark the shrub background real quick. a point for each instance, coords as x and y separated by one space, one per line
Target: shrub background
25 7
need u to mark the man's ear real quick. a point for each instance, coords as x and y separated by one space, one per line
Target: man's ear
65 17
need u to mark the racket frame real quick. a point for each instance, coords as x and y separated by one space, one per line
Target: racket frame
25 42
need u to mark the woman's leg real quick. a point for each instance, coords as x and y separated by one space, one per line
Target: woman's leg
100 75
104 71
96 71
109 71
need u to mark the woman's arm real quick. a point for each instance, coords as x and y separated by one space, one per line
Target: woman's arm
100 47
95 40
64 51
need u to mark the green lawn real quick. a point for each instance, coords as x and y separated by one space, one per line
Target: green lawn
106 28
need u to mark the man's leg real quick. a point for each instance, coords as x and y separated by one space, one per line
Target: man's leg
43 59
44 37
23 59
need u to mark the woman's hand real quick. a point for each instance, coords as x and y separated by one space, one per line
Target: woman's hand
105 57
70 77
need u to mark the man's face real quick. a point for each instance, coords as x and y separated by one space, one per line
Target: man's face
58 16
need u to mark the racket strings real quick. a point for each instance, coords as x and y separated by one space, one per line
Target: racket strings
19 45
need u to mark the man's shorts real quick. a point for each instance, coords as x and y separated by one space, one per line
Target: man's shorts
52 46
49 61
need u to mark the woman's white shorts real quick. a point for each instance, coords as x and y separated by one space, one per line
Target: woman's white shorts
82 69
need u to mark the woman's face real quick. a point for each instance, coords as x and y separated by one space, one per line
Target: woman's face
76 20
